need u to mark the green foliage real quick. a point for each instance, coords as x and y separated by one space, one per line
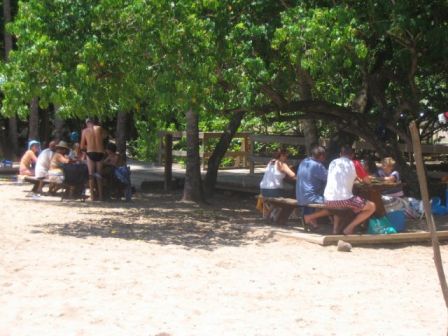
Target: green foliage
161 58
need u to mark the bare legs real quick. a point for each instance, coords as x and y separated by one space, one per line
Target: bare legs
94 176
311 218
365 213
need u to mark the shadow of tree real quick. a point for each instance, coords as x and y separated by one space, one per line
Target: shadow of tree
162 219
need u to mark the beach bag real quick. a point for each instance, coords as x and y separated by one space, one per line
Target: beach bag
437 208
380 225
392 204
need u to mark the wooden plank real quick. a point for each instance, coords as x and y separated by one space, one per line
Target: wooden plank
265 159
365 239
9 170
282 139
426 149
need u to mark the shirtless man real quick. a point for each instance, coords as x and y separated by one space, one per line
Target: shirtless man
29 158
92 143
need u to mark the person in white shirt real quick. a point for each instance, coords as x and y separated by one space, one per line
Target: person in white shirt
43 160
43 164
272 183
338 193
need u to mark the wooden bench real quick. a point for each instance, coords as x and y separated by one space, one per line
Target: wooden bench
44 181
287 205
34 181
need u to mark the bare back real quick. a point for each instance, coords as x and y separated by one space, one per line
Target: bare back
92 139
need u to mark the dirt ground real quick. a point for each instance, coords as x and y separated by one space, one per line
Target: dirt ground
158 266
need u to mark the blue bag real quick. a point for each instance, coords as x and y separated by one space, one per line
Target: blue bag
380 225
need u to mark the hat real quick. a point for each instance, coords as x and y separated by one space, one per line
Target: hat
62 144
32 143
74 137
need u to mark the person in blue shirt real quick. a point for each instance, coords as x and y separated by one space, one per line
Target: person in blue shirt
311 181
312 178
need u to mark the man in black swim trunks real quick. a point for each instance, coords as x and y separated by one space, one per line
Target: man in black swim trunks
92 143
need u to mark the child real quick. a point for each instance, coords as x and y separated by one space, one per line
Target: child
388 174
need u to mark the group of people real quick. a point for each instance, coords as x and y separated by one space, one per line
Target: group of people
332 187
49 163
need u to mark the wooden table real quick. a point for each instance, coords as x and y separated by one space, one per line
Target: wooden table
372 192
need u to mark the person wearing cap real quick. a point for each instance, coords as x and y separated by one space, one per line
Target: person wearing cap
92 138
55 173
29 158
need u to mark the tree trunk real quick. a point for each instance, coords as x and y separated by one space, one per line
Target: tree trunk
310 131
193 184
13 139
311 134
121 134
59 124
45 126
13 145
219 152
33 124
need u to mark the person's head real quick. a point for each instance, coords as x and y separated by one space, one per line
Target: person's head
282 155
318 152
90 122
62 147
347 151
34 146
388 165
111 148
52 145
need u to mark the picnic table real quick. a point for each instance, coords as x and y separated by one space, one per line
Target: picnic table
372 192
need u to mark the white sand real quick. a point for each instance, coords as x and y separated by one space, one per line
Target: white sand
161 266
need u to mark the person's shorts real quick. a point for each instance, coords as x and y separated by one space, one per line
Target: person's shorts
95 156
355 203
56 176
272 192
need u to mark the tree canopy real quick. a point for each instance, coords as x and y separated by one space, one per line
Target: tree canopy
365 67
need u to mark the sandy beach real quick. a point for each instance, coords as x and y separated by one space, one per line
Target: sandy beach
158 266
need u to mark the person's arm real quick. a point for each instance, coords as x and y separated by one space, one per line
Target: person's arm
83 144
33 157
392 177
283 167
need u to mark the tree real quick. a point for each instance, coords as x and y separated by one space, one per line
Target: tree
33 124
12 122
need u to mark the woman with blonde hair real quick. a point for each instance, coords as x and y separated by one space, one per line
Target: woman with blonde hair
388 173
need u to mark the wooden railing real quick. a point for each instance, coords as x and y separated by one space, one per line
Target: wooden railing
240 157
246 157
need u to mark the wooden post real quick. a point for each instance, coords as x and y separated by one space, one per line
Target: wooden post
251 155
428 215
160 153
204 140
168 161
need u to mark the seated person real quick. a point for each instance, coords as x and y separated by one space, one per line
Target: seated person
361 173
116 175
311 180
75 152
43 163
29 159
277 169
272 183
55 173
388 173
338 193
112 157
